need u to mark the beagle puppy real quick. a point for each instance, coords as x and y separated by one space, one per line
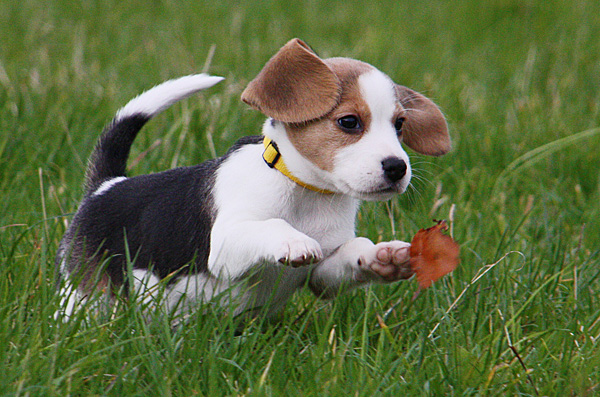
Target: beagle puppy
274 214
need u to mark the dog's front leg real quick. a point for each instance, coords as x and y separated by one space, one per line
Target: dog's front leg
359 262
238 246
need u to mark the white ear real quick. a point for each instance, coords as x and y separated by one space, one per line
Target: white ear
294 86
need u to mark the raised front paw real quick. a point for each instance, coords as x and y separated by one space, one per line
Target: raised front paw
299 251
388 262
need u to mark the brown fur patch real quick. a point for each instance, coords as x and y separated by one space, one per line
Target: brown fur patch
425 128
319 140
294 86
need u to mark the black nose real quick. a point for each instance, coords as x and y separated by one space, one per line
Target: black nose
393 169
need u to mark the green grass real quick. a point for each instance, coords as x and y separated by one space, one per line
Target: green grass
519 84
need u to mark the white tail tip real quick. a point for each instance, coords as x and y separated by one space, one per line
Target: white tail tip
159 98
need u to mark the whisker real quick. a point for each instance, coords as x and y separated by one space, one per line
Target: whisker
413 195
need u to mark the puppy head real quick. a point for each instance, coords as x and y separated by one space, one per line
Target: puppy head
348 119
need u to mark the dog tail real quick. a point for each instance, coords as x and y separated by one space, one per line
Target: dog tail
109 158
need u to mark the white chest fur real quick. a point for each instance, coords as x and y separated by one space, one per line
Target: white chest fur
258 206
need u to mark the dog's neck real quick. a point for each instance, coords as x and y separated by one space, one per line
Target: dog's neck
295 167
272 157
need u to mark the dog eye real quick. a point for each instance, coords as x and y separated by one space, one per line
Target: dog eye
398 125
350 123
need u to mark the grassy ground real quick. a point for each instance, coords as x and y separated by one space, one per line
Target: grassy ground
519 83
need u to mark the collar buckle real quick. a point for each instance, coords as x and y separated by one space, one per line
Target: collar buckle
271 154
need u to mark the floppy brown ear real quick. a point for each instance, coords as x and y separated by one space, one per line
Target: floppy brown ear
425 130
294 86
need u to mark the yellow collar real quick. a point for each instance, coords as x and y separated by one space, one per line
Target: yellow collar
272 157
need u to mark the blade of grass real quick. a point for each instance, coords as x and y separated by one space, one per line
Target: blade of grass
540 153
480 273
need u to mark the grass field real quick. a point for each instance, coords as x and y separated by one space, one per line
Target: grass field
519 82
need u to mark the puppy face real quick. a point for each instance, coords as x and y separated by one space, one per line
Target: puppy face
349 119
358 143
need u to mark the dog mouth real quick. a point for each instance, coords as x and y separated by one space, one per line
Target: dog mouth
386 190
375 191
380 193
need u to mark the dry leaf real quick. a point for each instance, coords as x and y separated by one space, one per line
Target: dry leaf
433 254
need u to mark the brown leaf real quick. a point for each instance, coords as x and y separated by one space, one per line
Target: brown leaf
433 254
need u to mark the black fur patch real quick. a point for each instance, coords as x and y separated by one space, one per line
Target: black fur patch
109 158
166 219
